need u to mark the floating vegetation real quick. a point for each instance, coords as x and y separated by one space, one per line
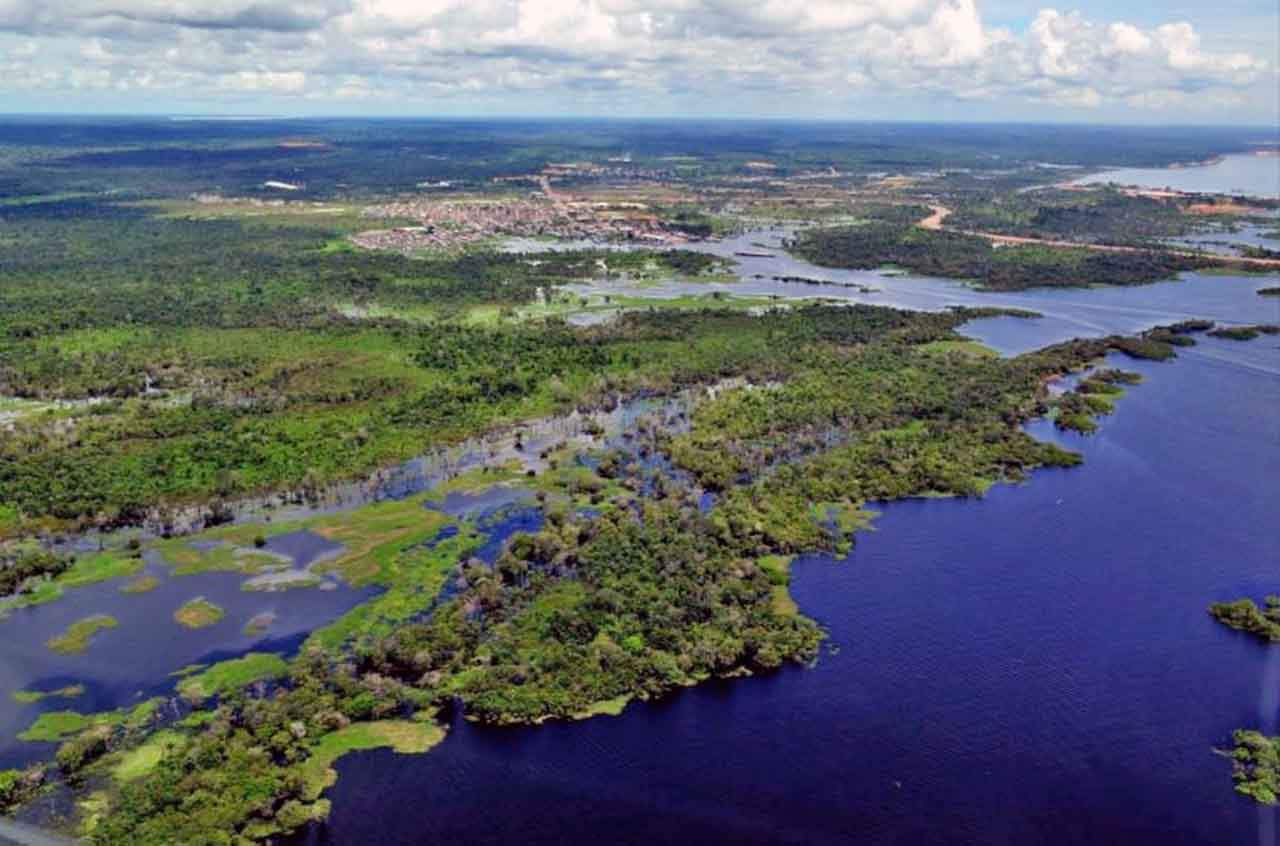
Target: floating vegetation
53 726
198 613
232 674
404 736
258 624
28 697
78 635
1245 333
142 584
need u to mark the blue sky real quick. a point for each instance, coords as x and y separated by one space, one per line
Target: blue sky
1173 62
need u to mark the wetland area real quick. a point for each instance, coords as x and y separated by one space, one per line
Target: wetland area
716 544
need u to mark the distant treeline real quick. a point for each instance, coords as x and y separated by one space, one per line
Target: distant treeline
960 256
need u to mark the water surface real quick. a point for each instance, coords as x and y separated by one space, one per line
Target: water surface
1244 174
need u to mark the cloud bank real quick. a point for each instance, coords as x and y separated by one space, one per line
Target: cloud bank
620 55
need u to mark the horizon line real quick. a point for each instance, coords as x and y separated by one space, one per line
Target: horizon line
320 116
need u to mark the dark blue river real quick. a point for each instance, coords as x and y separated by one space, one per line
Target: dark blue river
1034 667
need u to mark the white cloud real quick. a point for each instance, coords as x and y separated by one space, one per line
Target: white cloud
286 82
577 53
1126 38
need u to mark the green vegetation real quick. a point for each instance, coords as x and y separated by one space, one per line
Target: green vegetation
142 759
1255 766
967 348
198 613
33 576
205 359
1095 394
142 584
53 726
957 255
1101 216
78 635
18 787
777 568
405 737
233 674
25 564
100 567
838 407
58 725
1245 615
28 697
1244 333
161 358
604 708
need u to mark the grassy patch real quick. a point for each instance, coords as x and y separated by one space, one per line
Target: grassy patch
142 584
99 567
404 736
78 635
233 674
141 760
225 556
413 574
972 349
198 613
54 726
28 697
778 569
604 708
374 536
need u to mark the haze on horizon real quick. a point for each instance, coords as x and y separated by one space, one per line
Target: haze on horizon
947 60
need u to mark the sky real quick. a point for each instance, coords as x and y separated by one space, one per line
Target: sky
1140 61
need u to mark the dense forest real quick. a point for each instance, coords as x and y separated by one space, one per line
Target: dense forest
1105 216
74 265
960 256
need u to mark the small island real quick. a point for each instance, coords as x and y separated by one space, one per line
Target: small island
198 613
1245 615
1244 333
77 637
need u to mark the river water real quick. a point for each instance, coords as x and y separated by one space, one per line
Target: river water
1243 174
